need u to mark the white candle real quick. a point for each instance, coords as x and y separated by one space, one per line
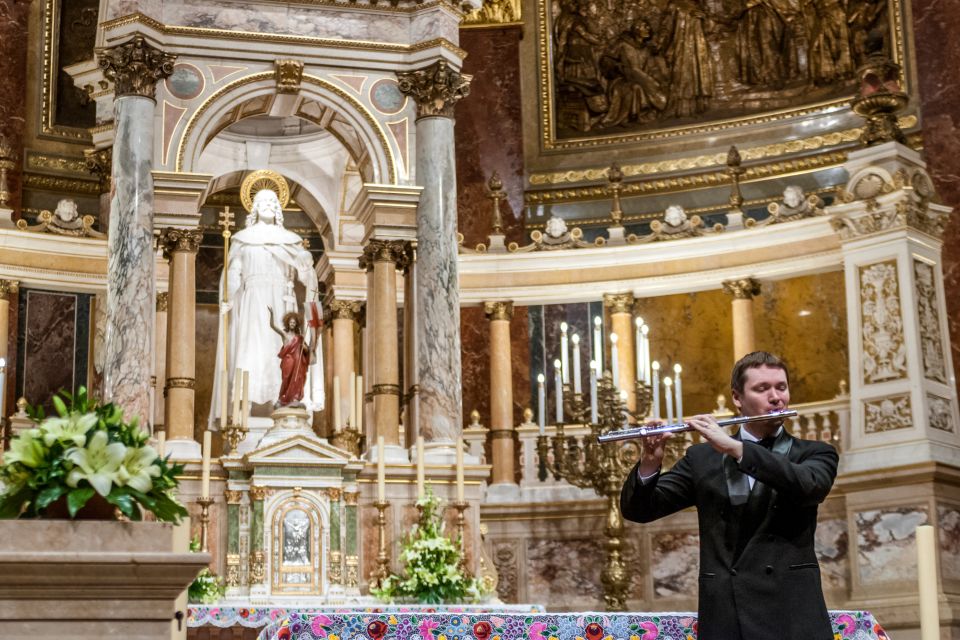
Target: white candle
668 398
598 343
205 467
638 347
614 362
237 382
558 382
459 469
381 472
421 477
3 388
337 425
223 401
245 399
593 392
577 387
656 389
927 582
564 357
645 338
360 404
353 400
161 443
542 404
678 391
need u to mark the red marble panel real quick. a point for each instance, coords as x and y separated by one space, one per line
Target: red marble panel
938 57
13 70
488 134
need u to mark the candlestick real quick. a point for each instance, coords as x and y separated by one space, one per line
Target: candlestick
337 424
381 472
614 360
3 394
382 571
223 401
927 581
461 506
598 342
558 384
645 339
678 391
656 389
237 382
638 347
542 402
564 358
577 386
668 398
245 400
459 469
360 404
353 400
204 503
593 392
205 467
421 479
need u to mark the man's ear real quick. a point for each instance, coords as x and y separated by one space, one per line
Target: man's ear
736 398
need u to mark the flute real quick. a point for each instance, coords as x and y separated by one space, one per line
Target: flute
680 427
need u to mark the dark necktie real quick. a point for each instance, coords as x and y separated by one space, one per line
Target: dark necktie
767 443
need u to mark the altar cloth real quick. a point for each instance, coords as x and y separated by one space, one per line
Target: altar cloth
852 625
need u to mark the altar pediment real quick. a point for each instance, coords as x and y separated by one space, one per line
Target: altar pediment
303 450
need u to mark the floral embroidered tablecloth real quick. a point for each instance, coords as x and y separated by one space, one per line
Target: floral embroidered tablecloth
852 625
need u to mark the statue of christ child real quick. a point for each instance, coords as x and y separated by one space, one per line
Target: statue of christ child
296 356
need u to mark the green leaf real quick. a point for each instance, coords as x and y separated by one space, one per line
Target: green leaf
50 495
12 505
59 405
77 498
123 501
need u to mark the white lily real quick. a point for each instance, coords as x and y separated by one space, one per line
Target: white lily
98 463
138 468
27 449
72 429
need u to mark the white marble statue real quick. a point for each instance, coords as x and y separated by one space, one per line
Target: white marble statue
67 216
264 261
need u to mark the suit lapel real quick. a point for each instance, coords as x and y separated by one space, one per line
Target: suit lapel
738 485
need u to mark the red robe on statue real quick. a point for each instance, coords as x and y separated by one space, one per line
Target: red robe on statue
294 363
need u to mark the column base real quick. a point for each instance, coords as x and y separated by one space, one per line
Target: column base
392 454
183 449
442 452
503 492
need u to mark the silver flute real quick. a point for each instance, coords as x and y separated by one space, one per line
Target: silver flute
680 427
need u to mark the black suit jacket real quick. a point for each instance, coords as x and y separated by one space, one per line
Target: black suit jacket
759 576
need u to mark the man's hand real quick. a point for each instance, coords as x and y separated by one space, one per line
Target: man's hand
713 433
652 450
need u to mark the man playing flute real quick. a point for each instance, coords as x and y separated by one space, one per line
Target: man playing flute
756 495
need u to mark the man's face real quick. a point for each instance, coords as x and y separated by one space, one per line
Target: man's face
764 390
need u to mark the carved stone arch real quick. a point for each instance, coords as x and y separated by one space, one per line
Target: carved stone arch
204 124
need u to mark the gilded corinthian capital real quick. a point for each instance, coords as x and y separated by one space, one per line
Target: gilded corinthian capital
394 251
345 309
618 302
134 67
173 240
436 88
498 310
742 289
9 289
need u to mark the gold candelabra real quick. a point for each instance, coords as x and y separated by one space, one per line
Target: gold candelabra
348 439
461 506
382 572
234 434
204 521
588 464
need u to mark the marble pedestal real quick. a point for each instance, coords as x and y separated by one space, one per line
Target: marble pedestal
91 579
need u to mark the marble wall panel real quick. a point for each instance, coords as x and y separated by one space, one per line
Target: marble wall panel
489 135
207 324
13 360
832 544
475 363
948 524
53 344
13 70
565 573
804 321
938 56
886 544
675 564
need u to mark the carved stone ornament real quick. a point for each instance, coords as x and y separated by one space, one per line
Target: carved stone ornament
435 88
100 163
135 67
350 497
9 289
795 205
175 240
333 494
887 414
883 346
65 221
931 338
498 310
674 226
345 309
880 100
557 237
259 493
742 289
232 497
289 74
163 301
941 413
505 561
394 251
618 302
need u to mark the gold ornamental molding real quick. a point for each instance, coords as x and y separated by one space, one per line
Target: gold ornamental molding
179 383
494 13
742 289
436 88
498 310
264 179
9 289
48 80
259 493
175 240
386 389
135 67
163 301
62 164
546 82
67 185
289 75
232 497
618 302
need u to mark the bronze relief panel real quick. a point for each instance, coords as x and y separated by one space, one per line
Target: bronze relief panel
626 68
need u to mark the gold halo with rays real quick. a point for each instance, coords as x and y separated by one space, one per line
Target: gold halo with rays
264 179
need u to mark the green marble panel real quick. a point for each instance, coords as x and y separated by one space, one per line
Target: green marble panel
233 528
256 526
335 526
351 516
299 472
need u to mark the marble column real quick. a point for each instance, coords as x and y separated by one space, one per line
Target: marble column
383 257
14 45
743 291
620 308
180 247
436 89
502 433
345 314
134 67
411 399
160 360
8 296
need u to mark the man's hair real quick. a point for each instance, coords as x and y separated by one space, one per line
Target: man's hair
752 361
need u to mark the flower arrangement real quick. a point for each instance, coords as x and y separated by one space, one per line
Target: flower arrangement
434 571
87 449
207 587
